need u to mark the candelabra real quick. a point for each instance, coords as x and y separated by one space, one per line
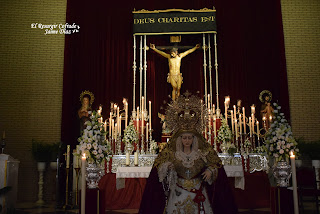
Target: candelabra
67 205
77 184
118 145
142 145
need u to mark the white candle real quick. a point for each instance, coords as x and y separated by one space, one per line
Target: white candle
147 132
213 109
294 183
127 159
250 127
235 112
112 131
232 121
142 104
258 130
138 120
240 124
150 121
244 121
120 125
118 117
83 184
116 131
105 125
142 121
126 113
236 127
208 101
136 158
68 156
110 124
252 123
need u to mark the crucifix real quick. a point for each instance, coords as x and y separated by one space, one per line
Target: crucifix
188 173
174 60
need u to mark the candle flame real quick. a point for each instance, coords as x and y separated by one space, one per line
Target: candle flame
84 155
291 154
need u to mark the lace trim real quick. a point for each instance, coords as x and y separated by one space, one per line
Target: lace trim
163 171
214 174
187 160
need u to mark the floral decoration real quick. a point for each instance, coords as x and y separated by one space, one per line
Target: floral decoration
279 139
93 141
224 132
130 134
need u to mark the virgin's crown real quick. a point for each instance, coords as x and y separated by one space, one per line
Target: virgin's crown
186 113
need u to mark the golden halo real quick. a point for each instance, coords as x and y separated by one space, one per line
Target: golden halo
86 92
262 95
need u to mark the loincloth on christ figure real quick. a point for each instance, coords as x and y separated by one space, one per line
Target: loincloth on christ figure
175 77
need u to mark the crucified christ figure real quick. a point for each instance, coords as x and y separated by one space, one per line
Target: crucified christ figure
174 75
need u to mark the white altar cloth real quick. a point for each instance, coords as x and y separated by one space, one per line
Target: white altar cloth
143 172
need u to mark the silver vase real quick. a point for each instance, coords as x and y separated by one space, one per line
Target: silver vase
94 172
129 148
282 173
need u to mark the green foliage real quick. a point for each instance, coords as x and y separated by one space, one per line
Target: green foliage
44 152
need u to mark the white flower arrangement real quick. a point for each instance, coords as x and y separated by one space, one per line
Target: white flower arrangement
130 134
279 139
153 145
224 132
228 147
93 142
260 149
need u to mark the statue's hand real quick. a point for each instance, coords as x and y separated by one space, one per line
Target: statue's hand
152 46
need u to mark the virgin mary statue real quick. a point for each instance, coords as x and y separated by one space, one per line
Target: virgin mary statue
187 176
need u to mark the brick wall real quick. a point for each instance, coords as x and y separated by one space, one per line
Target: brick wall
301 22
31 67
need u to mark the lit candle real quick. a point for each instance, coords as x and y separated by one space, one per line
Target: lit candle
142 104
244 121
142 121
236 128
250 127
118 117
120 126
105 125
83 184
150 121
235 111
126 111
294 182
213 109
208 101
127 159
147 132
116 131
68 156
240 124
232 121
214 126
258 130
138 120
270 118
136 158
110 124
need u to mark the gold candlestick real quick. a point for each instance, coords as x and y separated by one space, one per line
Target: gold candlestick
77 184
67 206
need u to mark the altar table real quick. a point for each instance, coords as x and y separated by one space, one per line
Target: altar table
255 194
